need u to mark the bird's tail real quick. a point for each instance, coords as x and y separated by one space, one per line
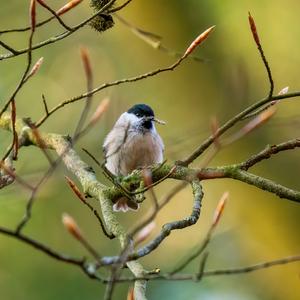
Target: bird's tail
123 204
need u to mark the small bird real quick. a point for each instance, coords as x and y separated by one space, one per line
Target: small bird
132 143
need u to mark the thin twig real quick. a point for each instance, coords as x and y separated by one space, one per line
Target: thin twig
46 21
7 47
189 50
56 16
230 123
268 152
166 199
199 274
85 57
25 73
205 242
113 10
167 228
45 105
219 272
262 54
91 208
41 247
75 231
59 37
15 142
154 40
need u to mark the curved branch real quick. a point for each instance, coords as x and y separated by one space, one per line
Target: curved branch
86 176
167 228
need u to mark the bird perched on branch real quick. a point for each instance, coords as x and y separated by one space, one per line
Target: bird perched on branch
132 143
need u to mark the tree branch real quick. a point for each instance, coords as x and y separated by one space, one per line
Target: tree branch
230 123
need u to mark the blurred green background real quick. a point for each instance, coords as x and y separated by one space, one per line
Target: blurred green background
256 226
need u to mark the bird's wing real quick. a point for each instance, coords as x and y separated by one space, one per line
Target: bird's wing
115 140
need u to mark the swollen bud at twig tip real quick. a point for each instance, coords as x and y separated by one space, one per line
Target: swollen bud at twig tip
71 226
68 7
100 110
33 15
220 208
130 295
260 119
145 232
253 29
85 57
284 91
36 67
75 189
200 38
267 114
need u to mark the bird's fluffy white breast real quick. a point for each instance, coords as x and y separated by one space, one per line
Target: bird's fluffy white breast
126 148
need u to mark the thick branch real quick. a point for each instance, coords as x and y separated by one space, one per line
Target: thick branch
62 145
86 176
264 184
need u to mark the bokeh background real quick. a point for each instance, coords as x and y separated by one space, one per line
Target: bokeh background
256 226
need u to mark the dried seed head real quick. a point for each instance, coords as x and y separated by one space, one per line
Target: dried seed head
103 21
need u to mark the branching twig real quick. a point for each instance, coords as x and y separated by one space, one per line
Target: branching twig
7 47
217 215
85 57
262 54
58 37
29 59
268 152
55 15
219 272
230 123
91 208
167 228
177 188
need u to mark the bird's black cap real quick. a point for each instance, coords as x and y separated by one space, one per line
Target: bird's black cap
141 110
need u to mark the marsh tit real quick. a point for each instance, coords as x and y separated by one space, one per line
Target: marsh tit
132 143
